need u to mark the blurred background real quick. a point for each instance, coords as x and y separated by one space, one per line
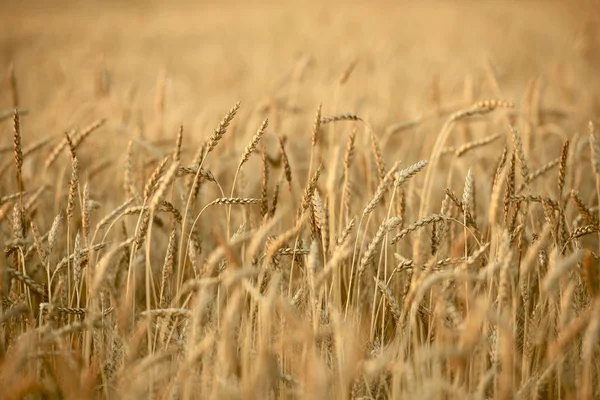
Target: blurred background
79 60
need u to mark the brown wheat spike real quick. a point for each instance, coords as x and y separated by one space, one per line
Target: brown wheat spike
86 208
128 181
170 208
405 174
178 142
378 157
346 232
242 201
154 179
584 210
316 126
142 228
348 157
53 233
74 183
583 231
416 225
520 154
308 191
340 117
286 162
264 201
476 144
251 147
434 238
500 166
318 214
274 199
201 173
41 249
17 144
220 130
562 169
509 190
384 184
26 280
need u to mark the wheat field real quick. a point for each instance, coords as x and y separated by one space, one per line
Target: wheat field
264 200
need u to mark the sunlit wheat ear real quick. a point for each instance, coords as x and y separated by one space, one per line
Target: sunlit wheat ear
154 179
405 174
562 170
348 157
346 232
251 147
316 127
74 183
178 142
523 163
220 130
384 185
467 198
128 179
242 201
308 191
264 202
17 144
378 156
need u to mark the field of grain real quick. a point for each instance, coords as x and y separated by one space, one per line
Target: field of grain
264 200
